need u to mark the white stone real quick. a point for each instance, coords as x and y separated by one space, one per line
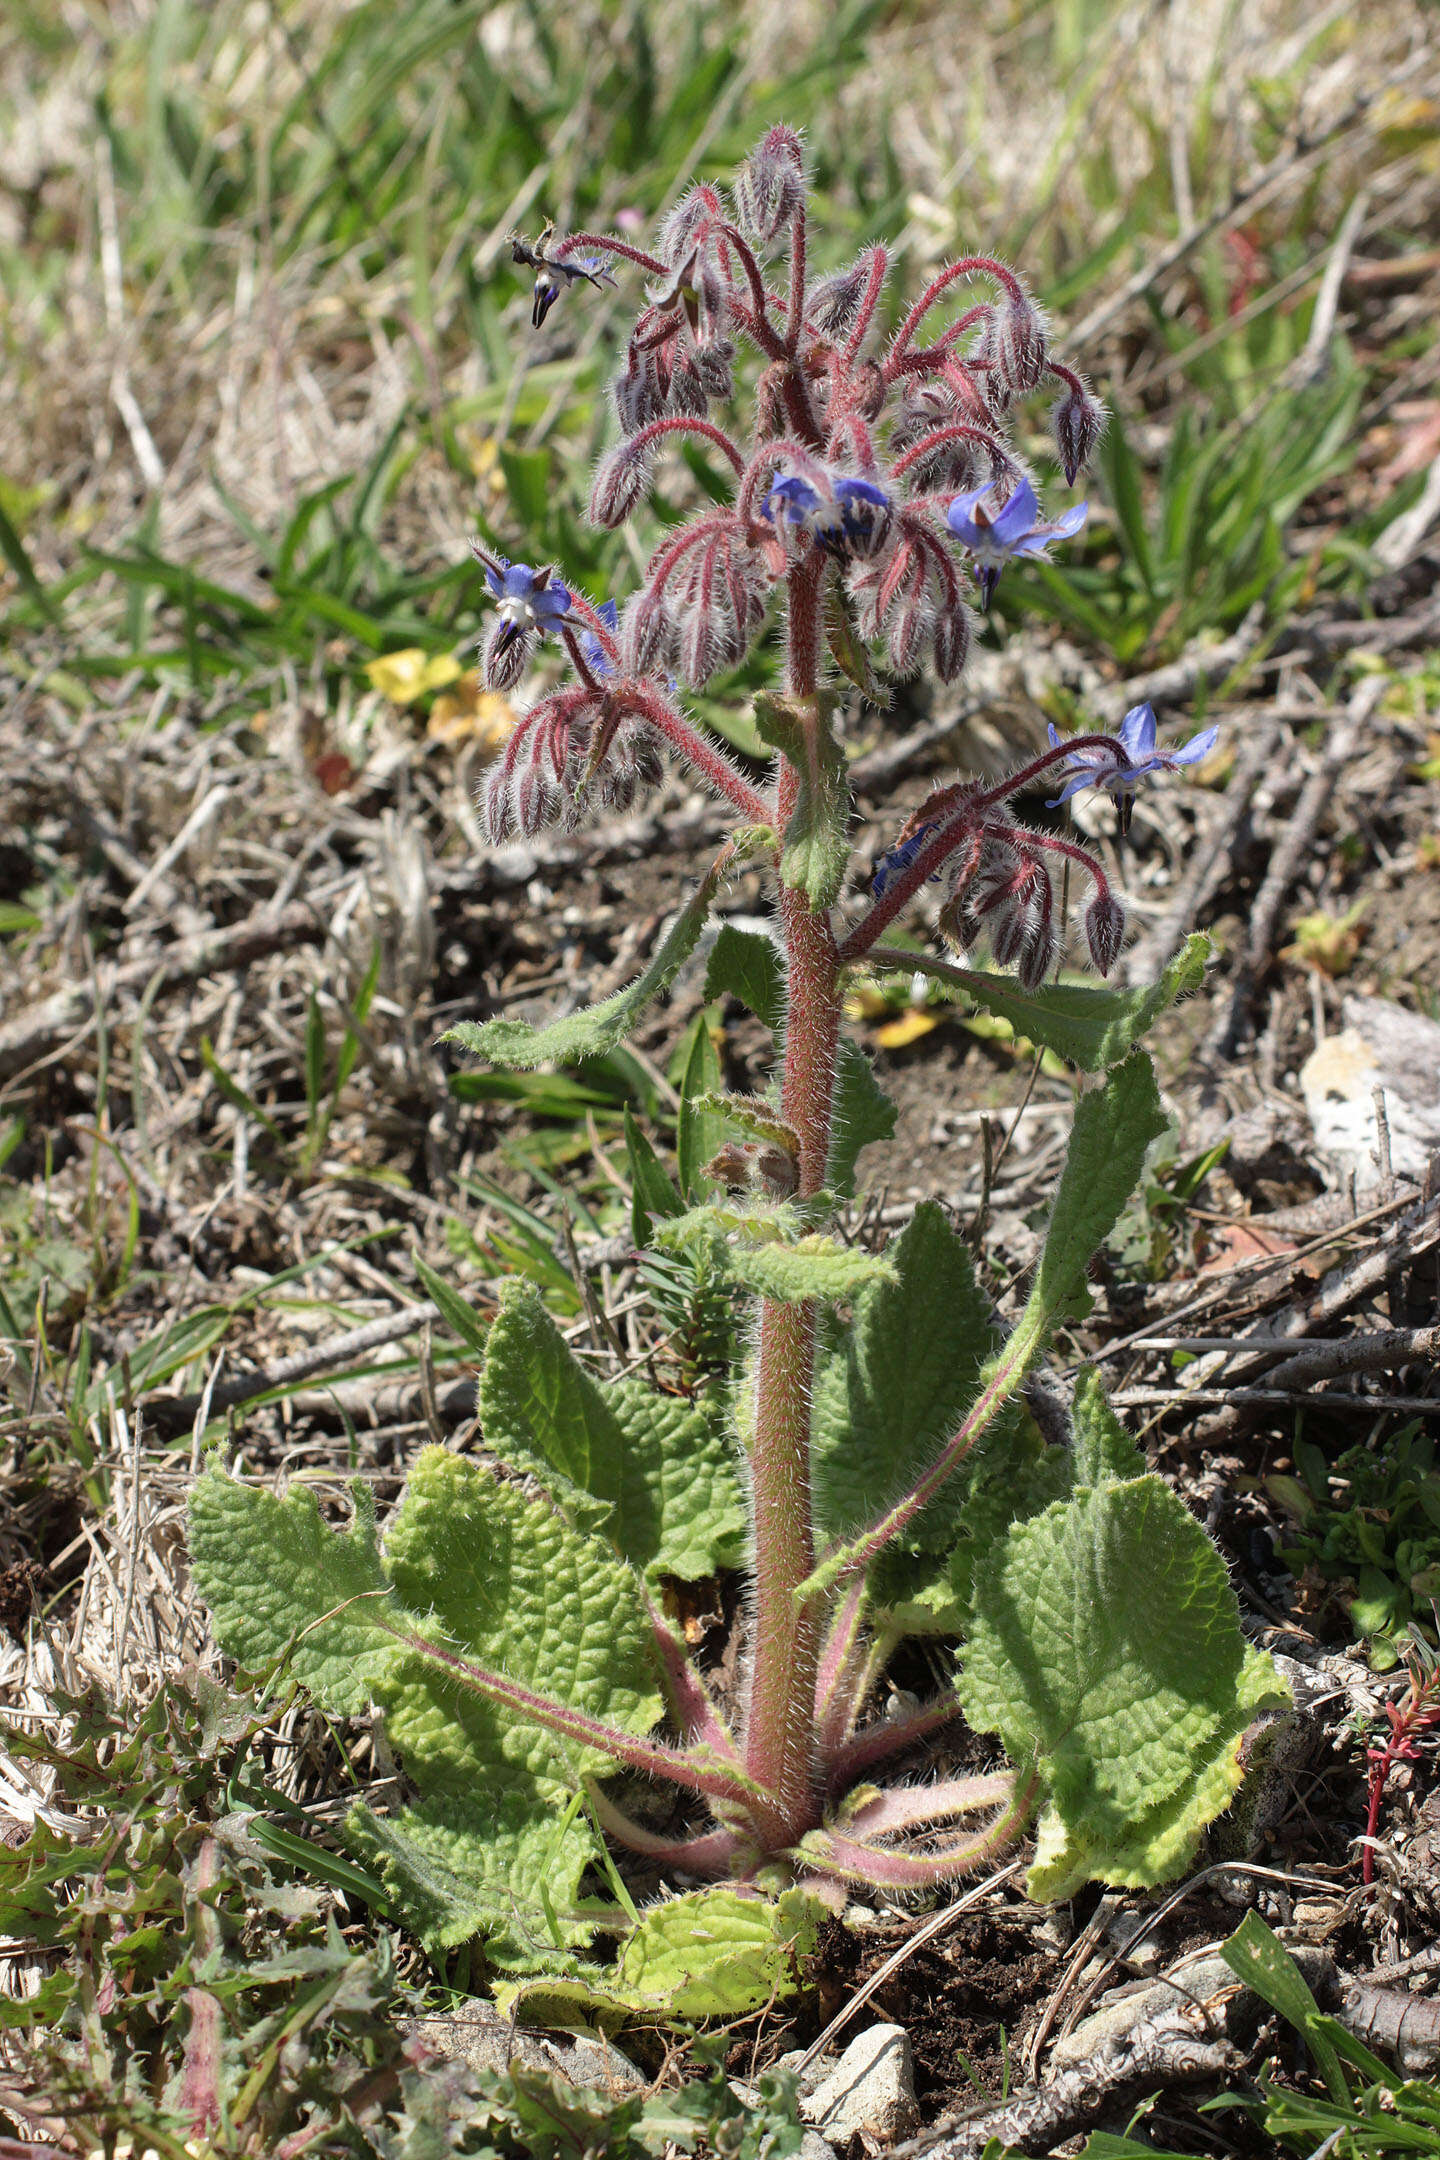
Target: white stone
871 2091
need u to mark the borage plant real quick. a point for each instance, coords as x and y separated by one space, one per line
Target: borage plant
874 1467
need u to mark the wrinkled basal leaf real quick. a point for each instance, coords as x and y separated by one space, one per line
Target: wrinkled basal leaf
717 1952
598 1028
1106 1646
649 1473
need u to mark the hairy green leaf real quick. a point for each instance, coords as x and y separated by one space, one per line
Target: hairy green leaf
1106 1646
1113 1127
815 846
863 1112
893 1385
699 1132
652 1193
275 1578
708 1953
1087 1026
746 965
655 1477
813 1266
496 1864
600 1027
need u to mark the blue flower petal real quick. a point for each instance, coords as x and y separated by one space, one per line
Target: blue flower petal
1011 524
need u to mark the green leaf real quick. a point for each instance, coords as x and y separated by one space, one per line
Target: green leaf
894 1384
600 1027
1256 1956
760 1119
746 965
496 1865
651 1190
1106 1648
1102 1452
669 1497
709 1953
815 845
698 1131
863 1113
1113 1127
1088 1027
459 1316
274 1577
504 1580
813 1266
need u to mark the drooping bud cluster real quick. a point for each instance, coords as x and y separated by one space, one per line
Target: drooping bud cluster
877 485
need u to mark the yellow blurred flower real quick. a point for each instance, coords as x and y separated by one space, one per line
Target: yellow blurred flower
404 676
469 715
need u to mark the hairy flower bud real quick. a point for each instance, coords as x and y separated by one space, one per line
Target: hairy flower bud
622 481
702 646
680 224
647 634
952 641
833 302
506 656
714 366
1079 422
497 809
1019 343
536 802
687 389
909 627
770 185
638 396
1104 930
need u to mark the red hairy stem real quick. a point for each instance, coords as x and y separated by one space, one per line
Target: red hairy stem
1014 782
686 1695
958 431
966 267
761 329
854 1860
795 313
663 561
881 1743
712 1853
701 756
1066 375
843 1664
779 1742
678 1766
1053 845
905 1807
869 301
578 661
614 246
687 424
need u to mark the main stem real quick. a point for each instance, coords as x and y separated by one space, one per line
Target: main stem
779 1741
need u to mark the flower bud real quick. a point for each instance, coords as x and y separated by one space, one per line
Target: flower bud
1079 422
952 641
638 396
833 302
1037 952
687 390
622 481
683 220
702 647
1104 930
536 802
713 367
909 627
648 634
1019 346
506 656
771 184
497 808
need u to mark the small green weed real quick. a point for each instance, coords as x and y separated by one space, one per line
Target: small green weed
1370 1524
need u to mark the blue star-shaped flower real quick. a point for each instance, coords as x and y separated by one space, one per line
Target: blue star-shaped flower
1134 756
1015 530
849 522
530 600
